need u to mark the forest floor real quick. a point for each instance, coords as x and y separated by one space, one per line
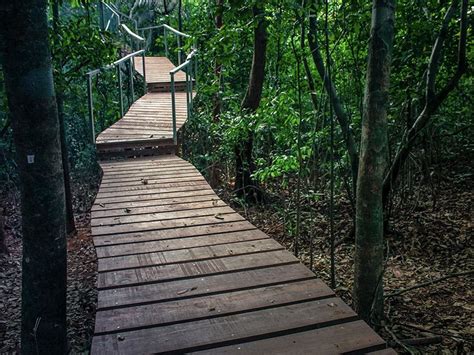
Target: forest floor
81 283
426 244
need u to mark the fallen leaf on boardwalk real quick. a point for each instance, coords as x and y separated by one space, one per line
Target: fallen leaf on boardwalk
101 205
218 216
128 210
145 181
212 309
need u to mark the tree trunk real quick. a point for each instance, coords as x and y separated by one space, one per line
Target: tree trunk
244 184
217 109
341 114
433 100
31 100
70 224
368 283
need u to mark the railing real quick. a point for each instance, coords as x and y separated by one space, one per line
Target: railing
188 66
114 14
167 29
118 65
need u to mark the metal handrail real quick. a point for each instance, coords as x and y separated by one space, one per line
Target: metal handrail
166 28
175 31
117 64
132 34
190 60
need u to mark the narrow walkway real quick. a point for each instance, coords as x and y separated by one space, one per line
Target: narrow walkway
179 271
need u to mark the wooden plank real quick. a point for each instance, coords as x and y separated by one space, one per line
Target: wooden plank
107 196
166 313
187 255
153 181
181 243
228 264
165 224
209 203
152 188
114 201
206 285
206 195
352 337
201 334
161 216
173 233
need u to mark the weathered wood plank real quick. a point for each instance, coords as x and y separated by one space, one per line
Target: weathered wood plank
186 255
113 221
166 224
228 264
205 285
196 335
337 339
194 241
174 233
209 306
209 203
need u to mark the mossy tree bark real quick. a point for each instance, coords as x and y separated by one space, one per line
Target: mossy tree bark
32 103
368 279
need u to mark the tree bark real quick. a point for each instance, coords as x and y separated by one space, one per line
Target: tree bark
368 283
433 100
243 153
32 103
341 114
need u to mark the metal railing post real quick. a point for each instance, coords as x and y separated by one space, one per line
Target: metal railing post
191 92
179 49
91 107
144 73
119 74
130 75
187 92
173 108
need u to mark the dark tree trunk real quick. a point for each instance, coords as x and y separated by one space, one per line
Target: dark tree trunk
368 283
70 224
244 184
32 103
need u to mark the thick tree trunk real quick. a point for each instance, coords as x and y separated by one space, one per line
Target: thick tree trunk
31 100
243 153
368 283
341 114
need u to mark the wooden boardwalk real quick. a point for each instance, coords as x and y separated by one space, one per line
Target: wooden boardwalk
179 271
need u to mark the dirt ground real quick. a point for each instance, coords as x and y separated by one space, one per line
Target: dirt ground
428 241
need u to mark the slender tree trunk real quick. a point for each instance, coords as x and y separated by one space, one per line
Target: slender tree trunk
70 224
217 109
32 103
368 283
341 114
433 99
243 153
